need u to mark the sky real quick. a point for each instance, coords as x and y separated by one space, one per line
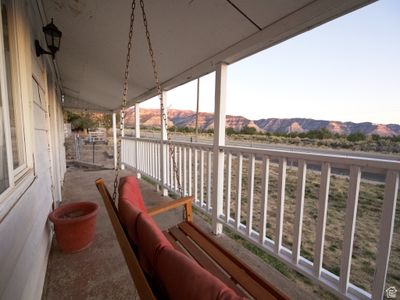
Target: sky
345 70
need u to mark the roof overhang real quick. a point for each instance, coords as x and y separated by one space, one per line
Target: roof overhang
189 39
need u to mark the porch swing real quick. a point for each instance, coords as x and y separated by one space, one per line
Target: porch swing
182 262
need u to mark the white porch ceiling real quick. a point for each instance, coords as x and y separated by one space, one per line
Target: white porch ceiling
189 38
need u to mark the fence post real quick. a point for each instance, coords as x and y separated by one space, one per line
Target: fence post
219 140
137 136
163 148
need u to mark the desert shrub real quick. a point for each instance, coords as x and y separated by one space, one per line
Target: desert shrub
320 134
248 130
356 137
229 131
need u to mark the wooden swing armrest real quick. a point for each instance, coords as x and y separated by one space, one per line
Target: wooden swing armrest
185 201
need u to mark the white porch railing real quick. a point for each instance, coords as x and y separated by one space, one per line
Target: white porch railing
269 196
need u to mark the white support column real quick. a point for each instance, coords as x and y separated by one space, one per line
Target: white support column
197 112
163 148
219 140
137 135
115 141
122 129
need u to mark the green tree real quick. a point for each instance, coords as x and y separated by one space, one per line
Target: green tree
79 121
103 120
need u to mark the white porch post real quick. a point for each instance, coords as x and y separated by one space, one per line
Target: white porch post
197 111
137 135
163 148
122 129
115 142
219 140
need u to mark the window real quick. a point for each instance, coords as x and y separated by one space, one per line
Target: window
12 144
3 150
13 89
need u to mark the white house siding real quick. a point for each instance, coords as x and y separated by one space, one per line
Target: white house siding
25 235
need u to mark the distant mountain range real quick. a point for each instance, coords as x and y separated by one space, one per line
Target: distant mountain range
187 118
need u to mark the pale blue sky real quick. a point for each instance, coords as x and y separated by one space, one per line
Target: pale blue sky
345 70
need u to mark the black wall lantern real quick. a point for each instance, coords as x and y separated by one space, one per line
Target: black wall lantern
53 38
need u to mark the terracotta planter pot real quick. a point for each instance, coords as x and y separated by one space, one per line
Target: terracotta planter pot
74 224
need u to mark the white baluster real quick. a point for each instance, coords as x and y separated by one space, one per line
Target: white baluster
321 223
190 172
196 163
228 186
201 178
298 222
250 194
239 189
180 160
350 223
280 204
209 182
184 183
264 198
386 233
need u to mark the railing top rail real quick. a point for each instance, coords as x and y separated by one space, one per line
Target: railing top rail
337 160
198 145
132 138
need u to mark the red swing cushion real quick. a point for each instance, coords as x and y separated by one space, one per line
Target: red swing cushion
183 278
151 241
169 269
129 216
129 190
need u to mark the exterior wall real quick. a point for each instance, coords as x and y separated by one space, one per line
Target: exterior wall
25 233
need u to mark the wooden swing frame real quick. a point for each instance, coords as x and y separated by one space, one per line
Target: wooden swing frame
189 239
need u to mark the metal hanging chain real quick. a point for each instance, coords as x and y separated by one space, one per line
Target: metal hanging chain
159 91
124 96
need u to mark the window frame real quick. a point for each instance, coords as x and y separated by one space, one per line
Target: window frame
15 92
23 175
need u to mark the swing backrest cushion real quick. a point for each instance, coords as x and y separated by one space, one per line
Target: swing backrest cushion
129 191
144 233
151 242
183 278
129 214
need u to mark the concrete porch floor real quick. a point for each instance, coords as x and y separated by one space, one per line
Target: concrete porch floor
99 272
